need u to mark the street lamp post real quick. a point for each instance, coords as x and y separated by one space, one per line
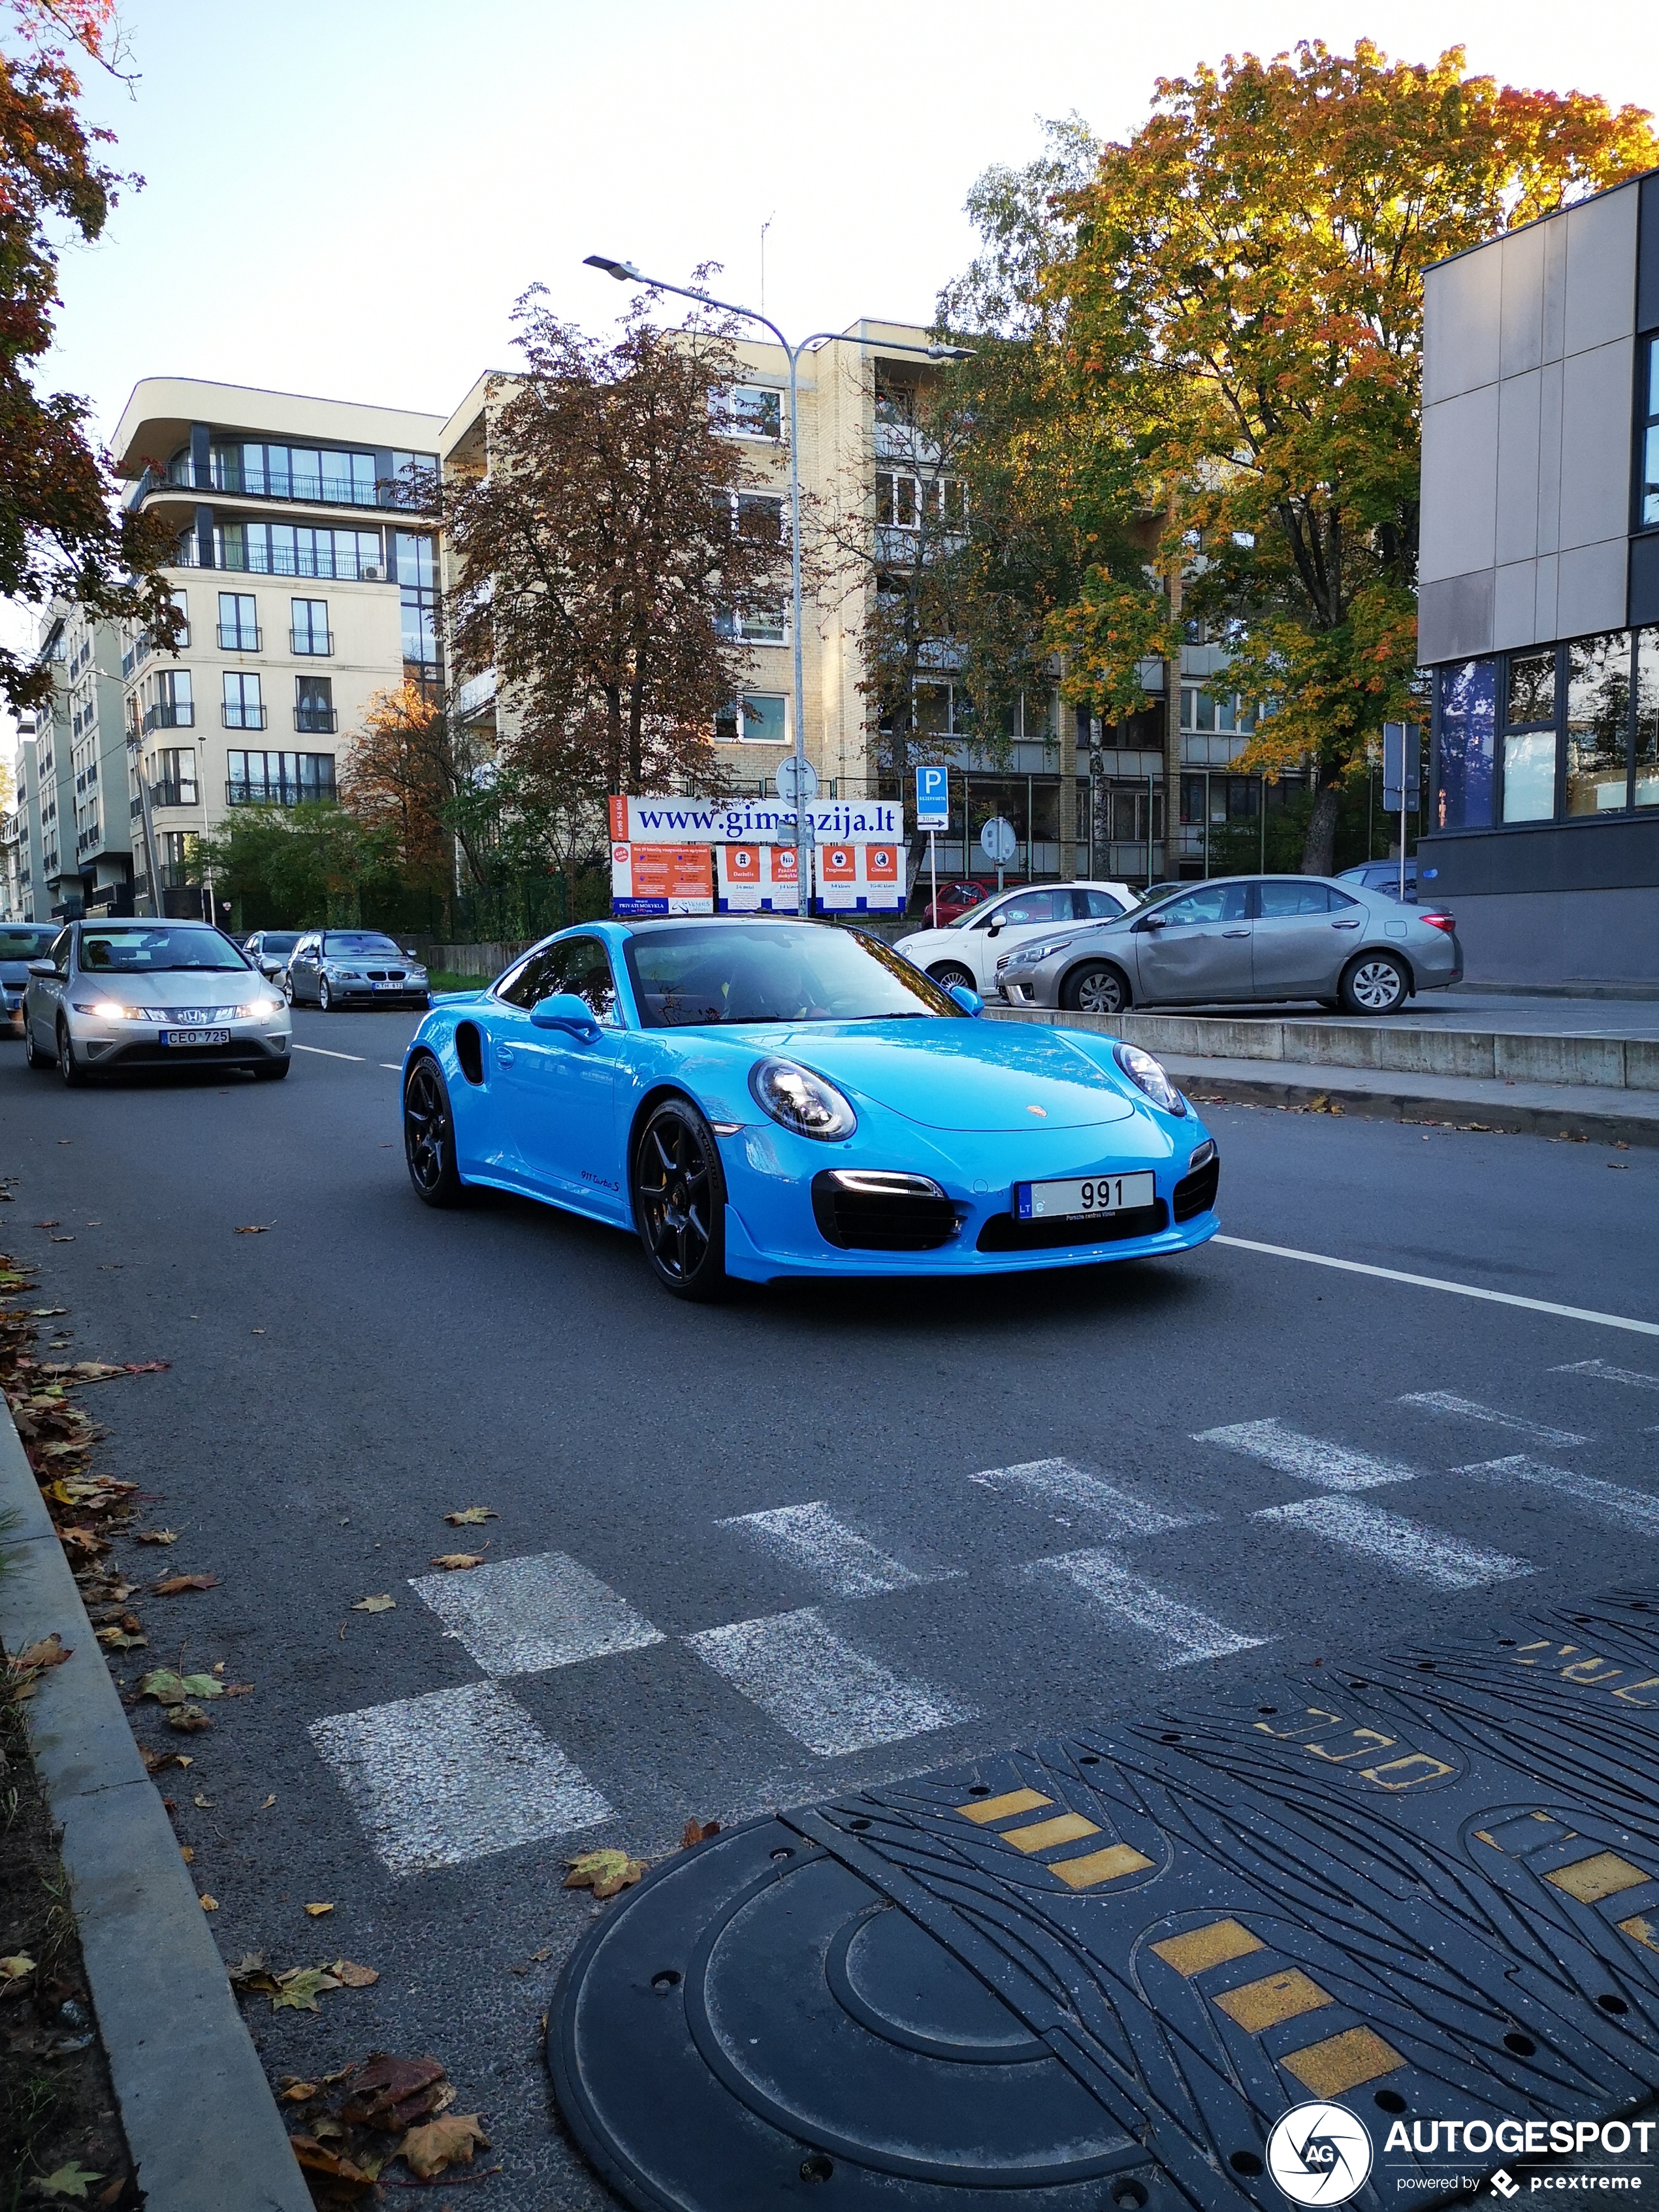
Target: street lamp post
626 273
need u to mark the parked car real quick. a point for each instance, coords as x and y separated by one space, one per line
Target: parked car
773 1099
959 896
113 995
1244 936
269 950
969 950
20 943
334 968
1381 876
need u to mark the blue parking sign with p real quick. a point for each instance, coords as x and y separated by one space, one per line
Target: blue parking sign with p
933 799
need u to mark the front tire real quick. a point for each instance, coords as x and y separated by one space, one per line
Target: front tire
951 971
1374 983
272 1071
679 1201
325 997
69 1067
286 983
1095 986
429 1136
32 1052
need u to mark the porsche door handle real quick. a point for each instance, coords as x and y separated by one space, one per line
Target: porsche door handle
504 1055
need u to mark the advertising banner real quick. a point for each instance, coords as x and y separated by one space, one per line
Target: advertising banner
865 879
648 879
753 821
756 879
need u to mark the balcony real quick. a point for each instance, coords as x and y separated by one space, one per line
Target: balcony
278 561
171 714
247 716
279 789
249 484
239 637
309 644
316 722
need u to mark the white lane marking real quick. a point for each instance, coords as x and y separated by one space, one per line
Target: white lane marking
1134 1603
1444 1401
819 1542
1408 1547
1608 1501
436 1780
1310 1459
323 1051
1634 1376
1435 1282
395 1065
521 1616
828 1694
1049 1482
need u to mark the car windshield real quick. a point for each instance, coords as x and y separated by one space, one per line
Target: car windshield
962 920
704 972
279 940
25 942
361 941
150 948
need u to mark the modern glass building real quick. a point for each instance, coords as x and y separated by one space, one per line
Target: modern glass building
1539 581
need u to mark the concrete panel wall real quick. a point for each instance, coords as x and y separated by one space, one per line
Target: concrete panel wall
1527 360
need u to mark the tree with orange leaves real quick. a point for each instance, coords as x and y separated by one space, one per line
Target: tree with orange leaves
1232 314
59 532
403 773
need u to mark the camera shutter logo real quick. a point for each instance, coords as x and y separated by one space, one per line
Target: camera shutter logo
1319 2153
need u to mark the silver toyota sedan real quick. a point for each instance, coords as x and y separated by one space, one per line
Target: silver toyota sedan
1274 938
118 994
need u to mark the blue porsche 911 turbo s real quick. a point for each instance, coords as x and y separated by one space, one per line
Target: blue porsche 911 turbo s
770 1098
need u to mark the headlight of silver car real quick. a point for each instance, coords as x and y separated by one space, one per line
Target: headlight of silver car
801 1101
1029 956
1147 1075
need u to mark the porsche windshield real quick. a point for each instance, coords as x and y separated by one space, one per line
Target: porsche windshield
156 948
775 971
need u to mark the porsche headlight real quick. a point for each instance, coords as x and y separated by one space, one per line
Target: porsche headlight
801 1101
1147 1075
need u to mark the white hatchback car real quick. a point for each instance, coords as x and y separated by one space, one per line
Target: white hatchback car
967 950
114 994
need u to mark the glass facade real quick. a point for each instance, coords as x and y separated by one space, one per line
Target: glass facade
1568 733
282 549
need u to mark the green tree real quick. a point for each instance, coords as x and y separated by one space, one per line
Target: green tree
296 866
60 535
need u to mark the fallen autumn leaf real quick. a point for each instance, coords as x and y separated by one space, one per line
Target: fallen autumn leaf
450 2141
470 1516
605 1872
381 1604
210 1904
176 1585
454 1562
353 1977
156 1536
316 1912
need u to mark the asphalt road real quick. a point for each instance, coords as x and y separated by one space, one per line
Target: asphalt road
342 1379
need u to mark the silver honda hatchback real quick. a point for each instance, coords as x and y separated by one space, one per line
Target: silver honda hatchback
1263 938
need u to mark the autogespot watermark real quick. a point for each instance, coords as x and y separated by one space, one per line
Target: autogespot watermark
1322 2154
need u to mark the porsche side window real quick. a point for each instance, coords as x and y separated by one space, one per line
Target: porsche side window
585 969
532 980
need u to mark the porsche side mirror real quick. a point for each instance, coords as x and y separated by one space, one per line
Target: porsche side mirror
969 1001
563 1010
44 969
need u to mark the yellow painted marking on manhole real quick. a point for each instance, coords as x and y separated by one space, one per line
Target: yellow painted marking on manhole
1065 1828
1591 1879
1201 1948
1342 2062
1641 1931
1481 1837
1109 1865
1275 1997
999 1808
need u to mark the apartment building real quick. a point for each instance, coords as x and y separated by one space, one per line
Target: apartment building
64 844
861 455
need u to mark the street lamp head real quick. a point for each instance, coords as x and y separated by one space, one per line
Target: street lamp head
624 272
950 353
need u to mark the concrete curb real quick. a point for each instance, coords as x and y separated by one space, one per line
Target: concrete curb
1366 1101
202 2126
1469 1055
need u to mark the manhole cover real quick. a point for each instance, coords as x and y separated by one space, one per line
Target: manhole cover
1422 1892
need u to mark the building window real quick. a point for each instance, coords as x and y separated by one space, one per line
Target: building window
1464 757
1598 723
239 625
171 706
283 548
750 410
1529 739
306 473
758 718
898 503
279 779
314 705
173 776
310 631
418 602
1646 764
244 709
1650 501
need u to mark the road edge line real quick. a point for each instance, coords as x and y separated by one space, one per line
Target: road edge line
200 2120
1436 1283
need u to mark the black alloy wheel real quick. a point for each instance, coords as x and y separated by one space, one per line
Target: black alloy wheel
1094 987
1374 983
950 971
429 1136
69 1067
680 1201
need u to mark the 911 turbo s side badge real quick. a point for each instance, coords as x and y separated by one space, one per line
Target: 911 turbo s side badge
1042 1110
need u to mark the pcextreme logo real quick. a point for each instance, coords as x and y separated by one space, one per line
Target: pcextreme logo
1319 2153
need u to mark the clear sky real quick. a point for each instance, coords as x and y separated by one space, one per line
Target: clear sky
345 197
